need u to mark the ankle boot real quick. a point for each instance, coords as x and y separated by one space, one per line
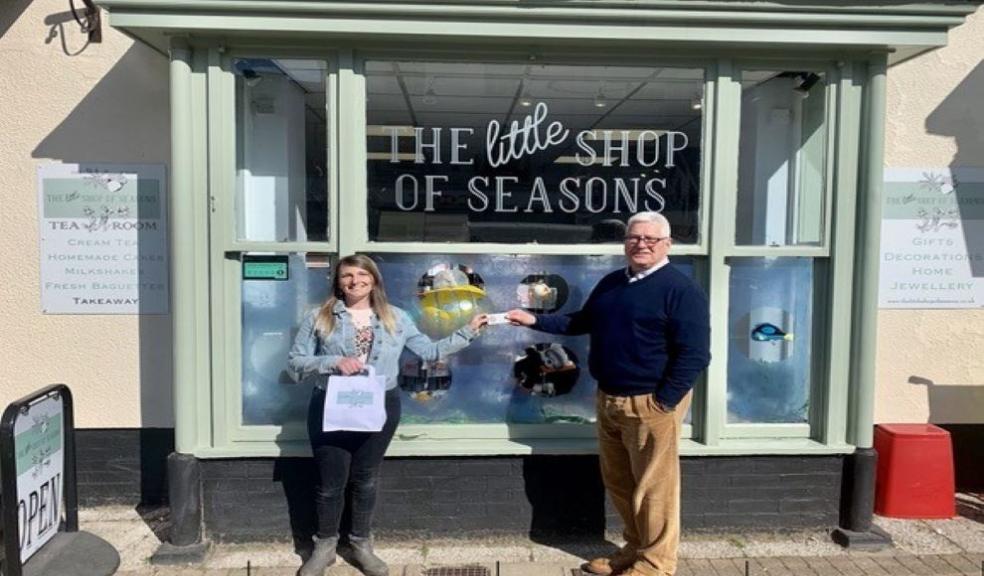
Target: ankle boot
364 559
322 556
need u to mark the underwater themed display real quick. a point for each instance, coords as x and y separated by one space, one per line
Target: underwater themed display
542 293
448 296
767 332
423 381
547 369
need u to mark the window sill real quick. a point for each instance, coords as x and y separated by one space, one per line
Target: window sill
545 446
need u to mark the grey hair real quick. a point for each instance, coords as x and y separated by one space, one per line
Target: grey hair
650 218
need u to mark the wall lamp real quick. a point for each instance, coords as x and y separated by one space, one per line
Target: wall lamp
89 19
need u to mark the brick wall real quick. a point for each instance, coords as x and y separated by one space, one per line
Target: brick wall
122 466
544 497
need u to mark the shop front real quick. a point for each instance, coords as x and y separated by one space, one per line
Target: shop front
487 158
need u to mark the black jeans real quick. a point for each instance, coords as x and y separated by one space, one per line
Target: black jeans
348 460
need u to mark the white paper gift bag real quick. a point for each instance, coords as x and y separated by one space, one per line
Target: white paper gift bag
355 403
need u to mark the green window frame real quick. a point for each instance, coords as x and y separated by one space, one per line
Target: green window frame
211 90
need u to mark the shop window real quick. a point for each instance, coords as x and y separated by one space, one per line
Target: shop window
272 311
509 375
781 159
770 329
281 150
530 153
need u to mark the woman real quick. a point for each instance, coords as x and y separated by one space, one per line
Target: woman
354 328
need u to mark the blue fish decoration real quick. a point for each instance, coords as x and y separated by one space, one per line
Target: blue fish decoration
769 333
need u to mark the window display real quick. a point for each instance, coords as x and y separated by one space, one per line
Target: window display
508 375
770 357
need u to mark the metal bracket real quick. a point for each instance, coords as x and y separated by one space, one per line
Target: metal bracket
90 20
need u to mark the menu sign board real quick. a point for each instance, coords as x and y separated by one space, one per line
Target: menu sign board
103 239
932 247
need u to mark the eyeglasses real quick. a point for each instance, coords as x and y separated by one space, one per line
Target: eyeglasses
648 240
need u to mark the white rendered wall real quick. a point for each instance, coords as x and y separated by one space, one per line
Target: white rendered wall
61 100
931 362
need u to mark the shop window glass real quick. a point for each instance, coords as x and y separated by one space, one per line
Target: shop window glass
509 375
770 351
272 311
781 159
281 150
499 378
530 153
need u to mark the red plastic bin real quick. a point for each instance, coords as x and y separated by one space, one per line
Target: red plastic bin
915 471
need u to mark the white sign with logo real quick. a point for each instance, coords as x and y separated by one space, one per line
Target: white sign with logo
103 239
932 242
39 438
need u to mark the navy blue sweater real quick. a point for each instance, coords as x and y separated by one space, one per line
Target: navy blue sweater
651 336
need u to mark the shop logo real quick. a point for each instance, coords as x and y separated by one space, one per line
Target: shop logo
355 398
653 152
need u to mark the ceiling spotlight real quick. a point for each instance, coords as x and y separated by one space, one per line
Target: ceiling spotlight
430 98
525 100
251 77
696 103
599 99
805 82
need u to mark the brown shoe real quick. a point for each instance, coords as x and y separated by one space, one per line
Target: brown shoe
608 565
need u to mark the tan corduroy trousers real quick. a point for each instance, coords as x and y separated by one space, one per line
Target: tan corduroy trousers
640 466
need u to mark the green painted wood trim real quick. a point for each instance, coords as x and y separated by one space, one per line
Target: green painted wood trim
203 404
254 246
589 27
751 431
225 271
445 432
505 447
816 14
721 192
333 114
842 230
184 281
779 251
353 181
867 256
493 248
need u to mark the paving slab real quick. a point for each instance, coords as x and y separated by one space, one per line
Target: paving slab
966 533
533 569
257 555
939 566
475 554
767 566
963 563
571 555
712 548
915 565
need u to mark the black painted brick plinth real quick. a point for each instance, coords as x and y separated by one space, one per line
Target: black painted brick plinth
538 496
122 465
543 497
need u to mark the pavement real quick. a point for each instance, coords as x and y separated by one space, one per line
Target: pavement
920 547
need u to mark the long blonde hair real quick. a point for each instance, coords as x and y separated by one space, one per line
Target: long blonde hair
325 323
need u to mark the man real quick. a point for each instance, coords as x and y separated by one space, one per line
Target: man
650 332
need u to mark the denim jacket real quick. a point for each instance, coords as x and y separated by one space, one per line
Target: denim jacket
312 355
